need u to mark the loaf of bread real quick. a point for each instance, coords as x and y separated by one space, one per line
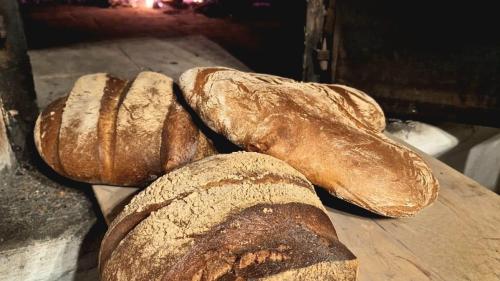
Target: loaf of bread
330 133
117 132
239 216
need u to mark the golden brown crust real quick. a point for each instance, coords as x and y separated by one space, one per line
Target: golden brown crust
359 105
330 133
204 147
253 216
139 128
368 170
180 138
47 134
114 92
109 131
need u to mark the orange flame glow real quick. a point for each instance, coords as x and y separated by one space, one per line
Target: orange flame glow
150 3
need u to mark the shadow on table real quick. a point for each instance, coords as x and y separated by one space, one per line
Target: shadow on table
335 203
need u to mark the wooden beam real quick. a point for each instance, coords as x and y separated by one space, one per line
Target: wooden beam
16 82
6 154
439 69
336 36
312 39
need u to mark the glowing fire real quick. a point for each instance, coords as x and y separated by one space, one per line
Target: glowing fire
150 4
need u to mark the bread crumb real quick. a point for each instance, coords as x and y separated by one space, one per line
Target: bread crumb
267 210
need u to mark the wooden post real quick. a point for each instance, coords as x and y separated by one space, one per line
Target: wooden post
313 33
6 154
17 96
335 35
322 41
46 227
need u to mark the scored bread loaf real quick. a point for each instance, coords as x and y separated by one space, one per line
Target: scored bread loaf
330 133
239 216
118 132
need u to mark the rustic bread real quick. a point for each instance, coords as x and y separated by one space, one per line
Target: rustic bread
112 131
330 133
232 216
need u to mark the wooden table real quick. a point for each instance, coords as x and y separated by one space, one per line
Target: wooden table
457 238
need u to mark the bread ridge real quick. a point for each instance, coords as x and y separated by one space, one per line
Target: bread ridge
203 172
284 118
46 134
358 104
78 140
182 141
114 93
141 117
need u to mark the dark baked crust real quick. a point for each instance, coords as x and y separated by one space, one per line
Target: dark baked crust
114 92
49 122
182 141
261 241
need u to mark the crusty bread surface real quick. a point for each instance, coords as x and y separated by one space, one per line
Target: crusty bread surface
330 133
117 132
239 216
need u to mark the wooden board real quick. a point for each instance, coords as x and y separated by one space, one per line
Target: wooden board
55 70
112 199
421 70
457 238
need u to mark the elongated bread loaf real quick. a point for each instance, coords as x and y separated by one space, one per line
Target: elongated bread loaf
239 216
118 132
330 133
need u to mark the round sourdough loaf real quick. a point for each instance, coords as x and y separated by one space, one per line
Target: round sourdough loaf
330 133
239 216
118 132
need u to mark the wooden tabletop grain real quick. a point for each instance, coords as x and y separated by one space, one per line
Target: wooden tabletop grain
456 238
